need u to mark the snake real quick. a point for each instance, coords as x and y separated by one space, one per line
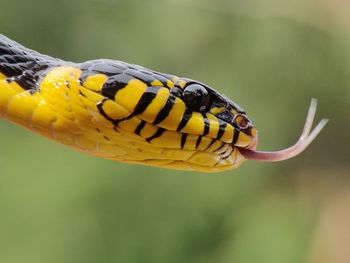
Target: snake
125 112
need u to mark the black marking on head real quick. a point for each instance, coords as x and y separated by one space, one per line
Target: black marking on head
146 99
177 92
183 82
146 71
225 115
148 76
164 75
140 127
206 124
116 122
106 138
248 130
235 136
185 118
114 67
99 106
221 100
113 84
198 141
222 126
106 68
220 147
157 134
164 112
137 74
162 78
210 144
217 99
183 140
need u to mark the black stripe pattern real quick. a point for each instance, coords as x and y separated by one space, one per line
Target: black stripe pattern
235 136
222 127
183 140
164 112
22 65
185 118
140 127
113 84
206 124
146 99
157 134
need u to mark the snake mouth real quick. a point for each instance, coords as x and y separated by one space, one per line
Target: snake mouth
305 139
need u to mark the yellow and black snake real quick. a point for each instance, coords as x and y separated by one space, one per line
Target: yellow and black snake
128 113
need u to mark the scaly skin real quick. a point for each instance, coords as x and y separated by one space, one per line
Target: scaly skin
115 110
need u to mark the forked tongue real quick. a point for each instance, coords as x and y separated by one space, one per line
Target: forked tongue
305 139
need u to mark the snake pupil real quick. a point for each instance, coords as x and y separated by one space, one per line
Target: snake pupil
196 97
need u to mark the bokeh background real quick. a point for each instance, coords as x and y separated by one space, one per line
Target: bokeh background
270 56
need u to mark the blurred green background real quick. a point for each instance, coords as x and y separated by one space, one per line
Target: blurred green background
271 57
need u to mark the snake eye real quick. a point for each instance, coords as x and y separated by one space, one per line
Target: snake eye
196 97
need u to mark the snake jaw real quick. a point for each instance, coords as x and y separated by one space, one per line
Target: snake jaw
304 141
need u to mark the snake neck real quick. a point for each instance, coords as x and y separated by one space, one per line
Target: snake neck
21 73
22 65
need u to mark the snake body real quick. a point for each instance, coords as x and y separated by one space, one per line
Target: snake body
123 112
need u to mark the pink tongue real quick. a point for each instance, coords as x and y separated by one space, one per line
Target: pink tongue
305 139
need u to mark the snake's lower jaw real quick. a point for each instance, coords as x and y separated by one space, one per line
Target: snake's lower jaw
253 144
245 151
250 147
195 163
233 161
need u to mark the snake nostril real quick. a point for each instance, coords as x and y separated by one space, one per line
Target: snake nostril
242 122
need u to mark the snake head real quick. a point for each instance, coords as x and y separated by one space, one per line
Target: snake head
212 126
202 98
226 117
179 123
